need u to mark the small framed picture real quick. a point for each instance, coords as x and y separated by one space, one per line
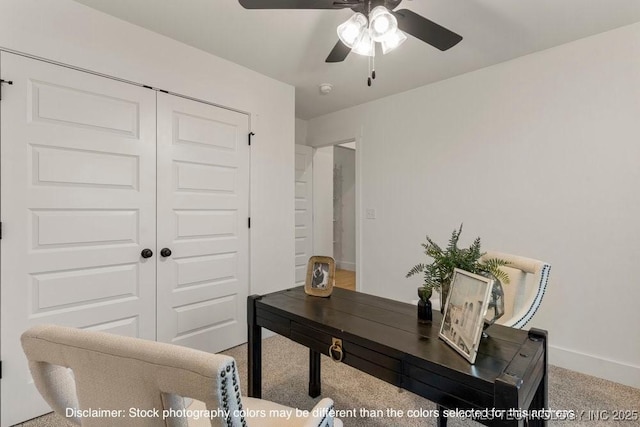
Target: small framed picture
321 272
464 312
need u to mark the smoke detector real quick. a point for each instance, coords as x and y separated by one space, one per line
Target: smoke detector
325 88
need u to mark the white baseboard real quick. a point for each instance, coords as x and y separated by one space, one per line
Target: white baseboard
267 333
346 265
611 370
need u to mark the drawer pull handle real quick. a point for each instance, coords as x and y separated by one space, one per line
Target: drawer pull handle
335 350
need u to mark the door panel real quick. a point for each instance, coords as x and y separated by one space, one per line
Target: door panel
304 211
203 207
78 206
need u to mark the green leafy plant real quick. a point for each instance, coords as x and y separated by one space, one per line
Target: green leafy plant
438 274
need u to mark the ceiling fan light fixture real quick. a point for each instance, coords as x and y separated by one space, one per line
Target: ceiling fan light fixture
392 41
382 23
366 45
351 31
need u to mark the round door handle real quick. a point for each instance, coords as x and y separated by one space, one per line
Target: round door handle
165 252
146 253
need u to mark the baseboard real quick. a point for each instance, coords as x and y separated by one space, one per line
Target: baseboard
346 265
267 333
611 370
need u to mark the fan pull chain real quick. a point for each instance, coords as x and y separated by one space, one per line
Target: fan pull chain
372 70
373 61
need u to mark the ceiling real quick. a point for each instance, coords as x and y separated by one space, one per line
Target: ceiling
291 45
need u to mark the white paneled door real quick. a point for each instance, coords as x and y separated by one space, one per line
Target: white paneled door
78 207
203 194
97 178
304 210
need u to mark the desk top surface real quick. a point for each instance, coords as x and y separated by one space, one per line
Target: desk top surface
392 328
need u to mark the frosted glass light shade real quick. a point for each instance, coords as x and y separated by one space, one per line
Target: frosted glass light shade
392 41
365 46
382 23
350 32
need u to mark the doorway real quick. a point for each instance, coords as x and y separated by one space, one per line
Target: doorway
326 206
344 214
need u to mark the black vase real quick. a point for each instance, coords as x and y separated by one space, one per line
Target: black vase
424 306
424 311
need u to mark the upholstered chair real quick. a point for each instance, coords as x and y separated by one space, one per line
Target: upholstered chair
77 370
523 295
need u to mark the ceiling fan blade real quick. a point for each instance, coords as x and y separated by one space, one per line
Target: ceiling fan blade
425 30
338 53
298 4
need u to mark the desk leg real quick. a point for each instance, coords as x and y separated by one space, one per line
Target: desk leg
541 398
254 349
442 420
314 373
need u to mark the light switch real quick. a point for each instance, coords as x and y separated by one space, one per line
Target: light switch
371 214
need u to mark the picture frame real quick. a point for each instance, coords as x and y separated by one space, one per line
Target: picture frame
321 273
465 309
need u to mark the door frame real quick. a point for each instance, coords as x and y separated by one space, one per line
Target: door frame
358 141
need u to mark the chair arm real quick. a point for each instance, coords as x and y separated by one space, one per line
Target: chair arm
524 314
322 415
56 384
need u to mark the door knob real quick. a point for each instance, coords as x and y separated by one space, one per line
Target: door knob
146 253
165 252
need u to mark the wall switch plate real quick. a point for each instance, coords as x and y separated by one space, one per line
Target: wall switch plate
371 214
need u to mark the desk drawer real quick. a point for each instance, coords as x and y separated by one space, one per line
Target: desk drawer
364 359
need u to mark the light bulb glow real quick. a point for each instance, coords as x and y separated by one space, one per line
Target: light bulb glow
350 32
365 46
382 23
392 41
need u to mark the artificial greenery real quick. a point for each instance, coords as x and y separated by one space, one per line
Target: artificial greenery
438 274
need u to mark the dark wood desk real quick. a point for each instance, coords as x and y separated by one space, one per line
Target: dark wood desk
383 338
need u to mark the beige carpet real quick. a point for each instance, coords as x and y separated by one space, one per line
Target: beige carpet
285 367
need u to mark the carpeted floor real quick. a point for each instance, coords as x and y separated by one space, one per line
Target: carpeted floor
285 367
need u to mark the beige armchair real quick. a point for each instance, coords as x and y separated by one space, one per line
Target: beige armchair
523 296
135 382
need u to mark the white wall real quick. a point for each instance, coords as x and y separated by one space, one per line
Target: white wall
540 156
344 208
323 201
301 131
74 34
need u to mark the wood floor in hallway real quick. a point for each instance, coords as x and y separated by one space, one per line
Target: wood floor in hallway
346 279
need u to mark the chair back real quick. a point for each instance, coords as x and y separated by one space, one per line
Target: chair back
78 370
528 283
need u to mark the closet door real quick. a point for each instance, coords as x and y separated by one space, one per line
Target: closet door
203 200
78 207
304 211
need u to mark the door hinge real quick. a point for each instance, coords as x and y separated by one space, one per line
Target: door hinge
250 135
249 222
0 237
0 369
2 81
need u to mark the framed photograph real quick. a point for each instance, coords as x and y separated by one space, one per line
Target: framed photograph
464 312
321 272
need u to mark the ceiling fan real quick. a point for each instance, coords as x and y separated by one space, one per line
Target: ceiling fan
354 35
